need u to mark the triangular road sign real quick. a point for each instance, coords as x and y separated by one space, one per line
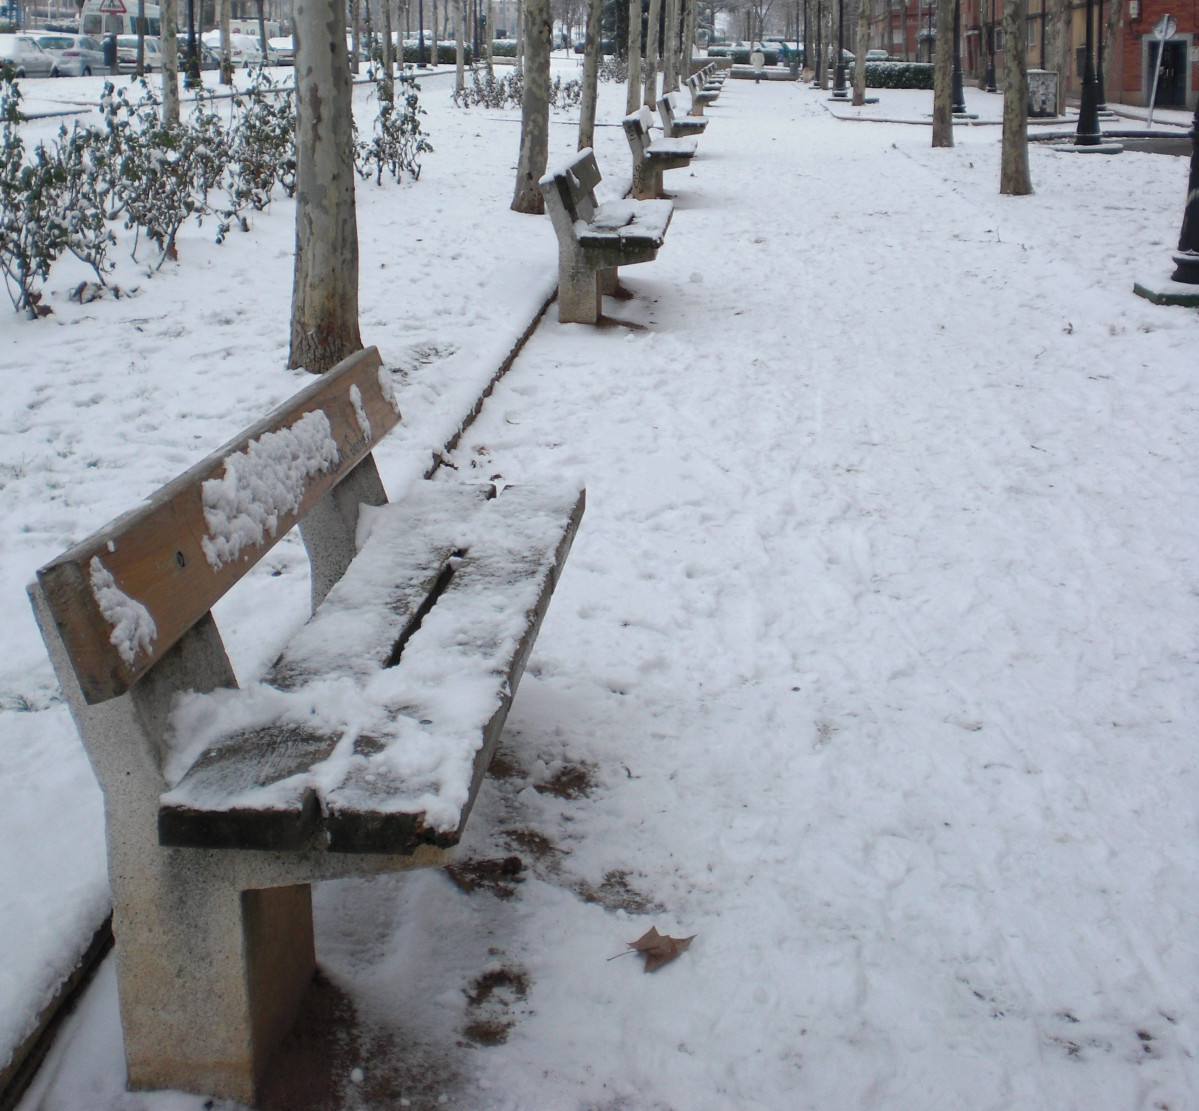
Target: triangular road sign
112 7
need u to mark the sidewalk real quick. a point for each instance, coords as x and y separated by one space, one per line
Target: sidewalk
872 666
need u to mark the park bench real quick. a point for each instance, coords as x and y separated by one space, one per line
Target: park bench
361 752
652 156
700 95
595 239
675 126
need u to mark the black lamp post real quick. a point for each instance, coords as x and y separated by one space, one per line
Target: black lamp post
959 94
1101 105
421 56
1088 133
990 79
193 57
1186 258
839 89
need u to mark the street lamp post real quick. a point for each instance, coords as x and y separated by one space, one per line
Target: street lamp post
959 93
991 51
1101 102
839 89
1088 133
1186 258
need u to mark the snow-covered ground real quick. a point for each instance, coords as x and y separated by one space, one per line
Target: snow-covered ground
873 665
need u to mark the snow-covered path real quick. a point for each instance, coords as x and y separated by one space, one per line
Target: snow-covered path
873 667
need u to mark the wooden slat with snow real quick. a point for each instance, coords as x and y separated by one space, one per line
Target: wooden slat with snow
651 156
594 240
125 595
476 576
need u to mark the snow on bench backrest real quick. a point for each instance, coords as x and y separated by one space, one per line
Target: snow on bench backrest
574 185
122 597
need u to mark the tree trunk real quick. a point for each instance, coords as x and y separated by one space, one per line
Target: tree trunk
1013 172
809 59
1058 47
433 59
863 44
226 42
170 62
1112 36
490 43
324 305
670 45
535 109
650 99
389 47
354 24
520 37
633 96
591 63
687 56
460 46
943 77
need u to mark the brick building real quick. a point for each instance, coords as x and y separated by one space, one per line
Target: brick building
906 30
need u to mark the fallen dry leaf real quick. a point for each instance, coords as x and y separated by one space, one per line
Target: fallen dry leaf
658 948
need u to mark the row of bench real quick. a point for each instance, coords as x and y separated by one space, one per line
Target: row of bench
364 747
595 240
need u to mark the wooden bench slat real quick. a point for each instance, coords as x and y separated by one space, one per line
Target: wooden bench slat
122 597
449 692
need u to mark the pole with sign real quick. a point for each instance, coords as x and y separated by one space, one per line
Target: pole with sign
1163 29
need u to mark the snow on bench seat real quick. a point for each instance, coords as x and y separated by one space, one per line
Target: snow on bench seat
342 739
628 222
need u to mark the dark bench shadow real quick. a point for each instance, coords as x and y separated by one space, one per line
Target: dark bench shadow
335 1060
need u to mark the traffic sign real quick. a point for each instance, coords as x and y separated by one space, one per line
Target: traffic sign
112 7
1165 27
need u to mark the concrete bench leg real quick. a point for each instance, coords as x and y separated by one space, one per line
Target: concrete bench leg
579 294
646 183
210 979
608 281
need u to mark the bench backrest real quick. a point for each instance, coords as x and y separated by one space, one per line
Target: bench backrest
637 130
667 109
569 191
124 596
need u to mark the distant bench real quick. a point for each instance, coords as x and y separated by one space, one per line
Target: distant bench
702 93
361 752
652 156
595 239
675 126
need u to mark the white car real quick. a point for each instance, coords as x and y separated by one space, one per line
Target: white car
127 54
281 51
74 55
244 50
24 56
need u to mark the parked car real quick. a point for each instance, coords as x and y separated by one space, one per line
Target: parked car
877 56
281 51
26 58
74 55
209 58
244 50
127 54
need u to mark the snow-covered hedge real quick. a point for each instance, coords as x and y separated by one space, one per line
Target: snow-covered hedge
897 75
151 177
